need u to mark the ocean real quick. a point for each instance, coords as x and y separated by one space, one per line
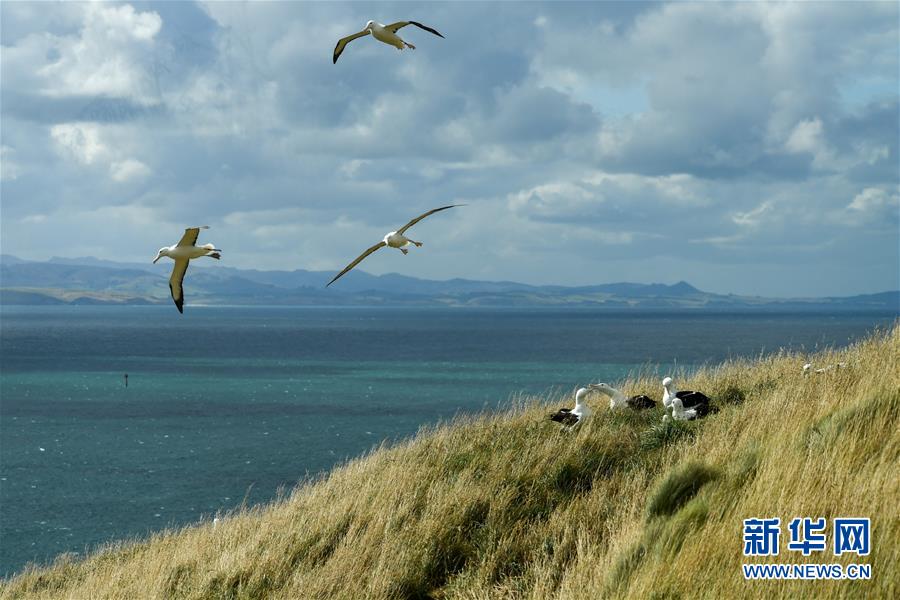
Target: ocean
229 405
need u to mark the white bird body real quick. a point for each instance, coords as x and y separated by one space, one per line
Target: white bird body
616 398
572 417
668 394
808 367
582 410
177 252
680 413
383 34
398 240
182 253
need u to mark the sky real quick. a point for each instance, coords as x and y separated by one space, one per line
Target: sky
749 148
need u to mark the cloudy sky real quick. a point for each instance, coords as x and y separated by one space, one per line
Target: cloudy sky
748 148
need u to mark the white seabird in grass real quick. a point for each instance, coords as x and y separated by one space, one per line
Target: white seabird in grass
808 367
394 239
688 399
182 253
382 33
680 413
570 417
618 400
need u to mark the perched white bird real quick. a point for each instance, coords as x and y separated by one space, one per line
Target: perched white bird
618 400
182 253
574 416
680 413
382 33
394 239
808 367
688 399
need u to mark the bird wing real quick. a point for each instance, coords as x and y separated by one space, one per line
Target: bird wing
640 402
420 217
394 27
564 416
344 41
190 235
690 399
175 282
357 261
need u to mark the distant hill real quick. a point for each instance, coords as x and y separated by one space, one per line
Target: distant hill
92 280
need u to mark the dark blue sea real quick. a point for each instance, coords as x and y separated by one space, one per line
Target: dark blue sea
226 405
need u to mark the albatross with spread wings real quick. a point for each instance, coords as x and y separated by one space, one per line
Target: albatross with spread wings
382 33
182 253
394 239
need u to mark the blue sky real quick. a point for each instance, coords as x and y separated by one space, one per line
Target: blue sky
744 147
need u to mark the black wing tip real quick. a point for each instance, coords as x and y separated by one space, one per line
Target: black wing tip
179 304
427 28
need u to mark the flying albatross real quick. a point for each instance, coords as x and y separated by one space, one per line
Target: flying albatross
182 253
573 416
618 400
382 33
394 239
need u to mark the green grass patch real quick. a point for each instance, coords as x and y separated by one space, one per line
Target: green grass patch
679 487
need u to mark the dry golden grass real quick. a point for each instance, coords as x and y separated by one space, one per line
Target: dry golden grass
508 506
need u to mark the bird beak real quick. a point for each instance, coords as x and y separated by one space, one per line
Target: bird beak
157 258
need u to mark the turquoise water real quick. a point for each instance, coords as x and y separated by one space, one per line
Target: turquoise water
226 405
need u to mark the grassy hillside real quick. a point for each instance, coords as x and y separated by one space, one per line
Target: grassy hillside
509 506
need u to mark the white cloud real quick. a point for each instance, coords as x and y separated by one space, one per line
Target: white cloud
128 169
9 168
111 54
34 219
807 136
698 136
876 206
755 217
80 141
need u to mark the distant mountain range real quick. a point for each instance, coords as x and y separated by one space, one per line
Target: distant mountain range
95 281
